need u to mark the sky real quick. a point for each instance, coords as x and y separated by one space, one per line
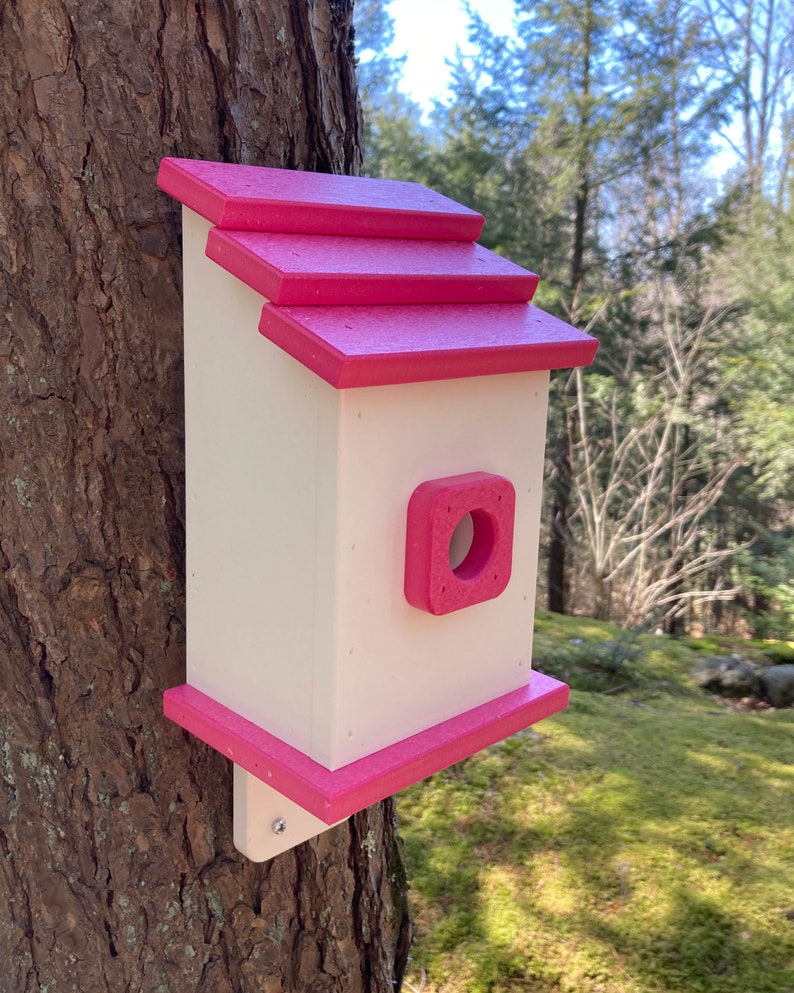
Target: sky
427 31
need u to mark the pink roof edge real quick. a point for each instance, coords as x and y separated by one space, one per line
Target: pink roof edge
259 198
293 269
333 795
386 345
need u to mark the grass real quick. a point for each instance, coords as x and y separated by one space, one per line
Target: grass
643 840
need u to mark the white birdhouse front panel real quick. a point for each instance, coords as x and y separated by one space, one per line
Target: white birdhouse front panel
400 668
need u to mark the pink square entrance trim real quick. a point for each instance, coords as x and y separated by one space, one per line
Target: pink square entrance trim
486 504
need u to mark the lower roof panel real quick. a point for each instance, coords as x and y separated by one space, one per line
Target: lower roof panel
381 345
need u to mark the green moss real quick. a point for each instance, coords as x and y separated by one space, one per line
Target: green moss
780 653
640 841
709 645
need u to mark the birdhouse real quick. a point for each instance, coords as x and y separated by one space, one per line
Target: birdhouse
366 393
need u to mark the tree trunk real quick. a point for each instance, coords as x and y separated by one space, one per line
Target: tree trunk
117 868
559 566
561 482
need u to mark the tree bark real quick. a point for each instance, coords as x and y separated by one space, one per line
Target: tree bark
117 868
559 565
561 482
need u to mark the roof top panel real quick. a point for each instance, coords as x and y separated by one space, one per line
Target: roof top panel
257 198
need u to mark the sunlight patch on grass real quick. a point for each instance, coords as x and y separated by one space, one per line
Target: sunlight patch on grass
640 841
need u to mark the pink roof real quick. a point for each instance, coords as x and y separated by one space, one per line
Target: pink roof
376 346
255 198
421 301
323 269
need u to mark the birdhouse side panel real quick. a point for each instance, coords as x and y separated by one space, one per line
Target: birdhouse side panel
261 489
401 669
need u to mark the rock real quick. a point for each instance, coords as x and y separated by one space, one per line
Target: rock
777 684
728 675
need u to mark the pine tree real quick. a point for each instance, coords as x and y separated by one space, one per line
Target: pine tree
117 869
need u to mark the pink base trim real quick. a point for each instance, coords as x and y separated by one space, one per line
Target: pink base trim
332 796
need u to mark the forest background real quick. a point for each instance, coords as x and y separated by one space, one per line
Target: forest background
590 139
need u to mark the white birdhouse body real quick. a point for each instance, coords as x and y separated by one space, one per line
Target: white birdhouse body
363 492
296 505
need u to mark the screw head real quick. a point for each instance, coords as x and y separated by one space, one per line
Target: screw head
279 825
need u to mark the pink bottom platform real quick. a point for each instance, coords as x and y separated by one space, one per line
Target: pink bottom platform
335 795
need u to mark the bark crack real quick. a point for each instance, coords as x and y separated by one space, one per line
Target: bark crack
218 80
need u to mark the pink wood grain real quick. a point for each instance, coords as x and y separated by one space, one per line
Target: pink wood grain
377 346
434 510
255 198
332 796
329 270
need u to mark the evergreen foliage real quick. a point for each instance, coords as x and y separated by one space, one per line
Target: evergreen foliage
589 139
